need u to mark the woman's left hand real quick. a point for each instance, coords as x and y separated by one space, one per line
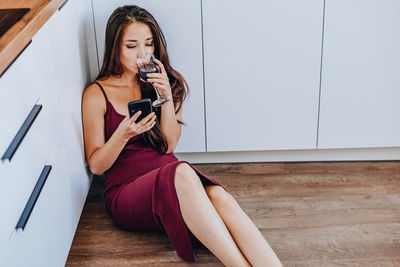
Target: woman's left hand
160 80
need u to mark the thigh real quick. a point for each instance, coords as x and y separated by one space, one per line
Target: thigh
132 209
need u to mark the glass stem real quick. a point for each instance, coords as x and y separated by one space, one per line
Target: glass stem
157 93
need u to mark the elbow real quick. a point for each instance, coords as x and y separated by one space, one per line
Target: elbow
94 165
95 169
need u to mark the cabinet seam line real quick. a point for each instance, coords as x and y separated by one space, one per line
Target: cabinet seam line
95 37
204 74
320 73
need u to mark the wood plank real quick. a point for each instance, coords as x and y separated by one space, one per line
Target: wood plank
312 214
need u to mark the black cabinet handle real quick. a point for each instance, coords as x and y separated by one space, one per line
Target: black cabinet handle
33 198
12 62
63 4
21 133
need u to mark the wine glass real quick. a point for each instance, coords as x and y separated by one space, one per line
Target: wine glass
150 67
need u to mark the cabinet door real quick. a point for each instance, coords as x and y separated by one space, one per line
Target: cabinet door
360 88
180 22
19 175
69 74
262 65
22 84
47 235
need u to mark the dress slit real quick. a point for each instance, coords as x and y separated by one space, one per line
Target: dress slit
166 208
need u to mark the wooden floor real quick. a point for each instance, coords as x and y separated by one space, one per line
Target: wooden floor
312 214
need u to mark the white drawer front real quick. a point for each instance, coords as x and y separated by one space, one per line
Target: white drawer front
48 232
20 175
22 84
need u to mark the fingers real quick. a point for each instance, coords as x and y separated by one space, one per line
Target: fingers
145 120
146 123
160 82
132 128
156 78
136 116
159 64
162 74
150 124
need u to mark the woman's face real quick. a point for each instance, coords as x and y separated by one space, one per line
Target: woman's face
137 41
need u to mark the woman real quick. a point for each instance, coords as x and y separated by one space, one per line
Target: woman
146 186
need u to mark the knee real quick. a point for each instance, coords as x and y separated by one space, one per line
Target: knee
185 175
218 196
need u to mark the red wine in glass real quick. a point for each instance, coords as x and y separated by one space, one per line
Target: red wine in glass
150 67
144 69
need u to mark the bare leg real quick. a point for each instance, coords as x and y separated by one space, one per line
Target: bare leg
203 220
245 233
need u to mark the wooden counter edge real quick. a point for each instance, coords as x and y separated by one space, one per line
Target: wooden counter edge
15 46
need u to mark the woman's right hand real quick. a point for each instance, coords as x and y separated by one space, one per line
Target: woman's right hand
128 128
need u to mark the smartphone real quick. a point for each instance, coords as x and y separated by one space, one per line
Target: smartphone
143 105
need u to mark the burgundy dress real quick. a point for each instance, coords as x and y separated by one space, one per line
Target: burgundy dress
140 192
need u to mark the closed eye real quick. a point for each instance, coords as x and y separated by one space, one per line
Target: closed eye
135 45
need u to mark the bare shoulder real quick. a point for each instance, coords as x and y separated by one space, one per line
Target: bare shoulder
93 99
92 91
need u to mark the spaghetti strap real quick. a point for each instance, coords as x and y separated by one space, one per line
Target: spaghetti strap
102 89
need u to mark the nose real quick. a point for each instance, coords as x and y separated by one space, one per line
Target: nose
141 52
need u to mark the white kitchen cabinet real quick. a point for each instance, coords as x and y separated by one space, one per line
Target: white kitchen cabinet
21 86
181 25
19 93
48 77
20 174
46 238
262 65
69 74
360 88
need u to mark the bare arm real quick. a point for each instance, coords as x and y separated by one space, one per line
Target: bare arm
101 155
170 127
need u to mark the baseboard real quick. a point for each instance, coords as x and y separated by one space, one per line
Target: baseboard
359 154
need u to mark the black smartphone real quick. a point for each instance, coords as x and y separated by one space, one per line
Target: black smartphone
144 105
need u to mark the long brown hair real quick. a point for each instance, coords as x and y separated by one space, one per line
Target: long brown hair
119 19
